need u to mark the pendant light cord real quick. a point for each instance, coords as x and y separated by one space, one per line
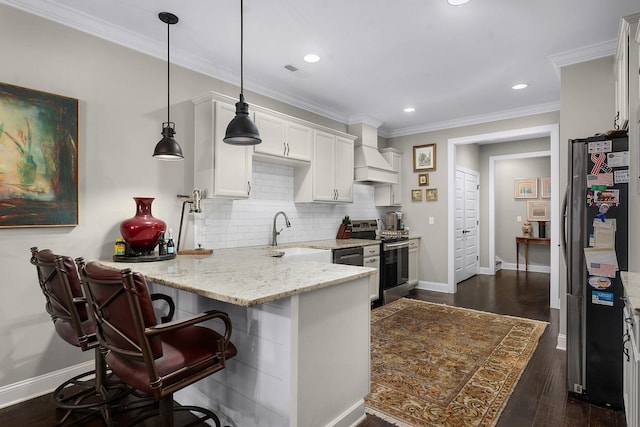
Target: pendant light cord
168 72
242 48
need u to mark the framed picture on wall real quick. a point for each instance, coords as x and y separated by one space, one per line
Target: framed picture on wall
423 179
431 194
526 188
424 158
538 210
545 187
416 195
38 158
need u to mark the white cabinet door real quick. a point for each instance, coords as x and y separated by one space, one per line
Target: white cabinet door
298 141
344 169
323 167
414 251
221 170
630 369
272 133
374 280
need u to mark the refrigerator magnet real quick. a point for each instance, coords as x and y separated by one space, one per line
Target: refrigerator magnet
602 298
599 147
598 282
621 176
618 159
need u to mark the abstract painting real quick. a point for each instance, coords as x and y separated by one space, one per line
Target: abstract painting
38 158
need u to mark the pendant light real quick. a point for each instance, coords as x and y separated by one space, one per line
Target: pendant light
168 148
241 130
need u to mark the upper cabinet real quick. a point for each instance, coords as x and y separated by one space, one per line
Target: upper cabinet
621 76
283 141
390 194
220 170
330 176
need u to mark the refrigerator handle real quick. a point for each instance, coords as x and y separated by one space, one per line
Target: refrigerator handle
563 241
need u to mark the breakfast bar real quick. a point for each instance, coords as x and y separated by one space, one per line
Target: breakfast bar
301 328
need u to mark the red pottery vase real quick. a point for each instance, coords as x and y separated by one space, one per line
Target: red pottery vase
142 232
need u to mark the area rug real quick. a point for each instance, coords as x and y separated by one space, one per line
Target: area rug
437 365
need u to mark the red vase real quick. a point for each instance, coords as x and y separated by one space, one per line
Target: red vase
142 232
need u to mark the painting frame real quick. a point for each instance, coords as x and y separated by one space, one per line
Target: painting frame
431 194
416 195
423 179
39 166
538 210
424 158
525 188
545 187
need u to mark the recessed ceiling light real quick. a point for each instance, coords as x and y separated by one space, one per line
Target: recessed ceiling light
409 110
519 86
312 57
457 2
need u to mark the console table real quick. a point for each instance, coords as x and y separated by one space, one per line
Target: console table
546 241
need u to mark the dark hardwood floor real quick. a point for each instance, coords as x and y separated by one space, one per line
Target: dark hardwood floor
540 398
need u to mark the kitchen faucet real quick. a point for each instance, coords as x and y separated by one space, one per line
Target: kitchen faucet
274 233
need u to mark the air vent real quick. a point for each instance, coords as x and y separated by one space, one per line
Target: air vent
291 68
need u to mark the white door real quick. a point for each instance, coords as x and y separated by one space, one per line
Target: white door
466 225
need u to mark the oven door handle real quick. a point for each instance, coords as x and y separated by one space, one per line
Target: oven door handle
400 245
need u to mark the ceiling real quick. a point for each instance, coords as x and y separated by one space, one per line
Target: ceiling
455 65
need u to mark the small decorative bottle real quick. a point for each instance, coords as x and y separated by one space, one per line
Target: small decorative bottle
119 247
171 249
162 245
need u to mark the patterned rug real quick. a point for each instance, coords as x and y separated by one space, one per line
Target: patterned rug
437 365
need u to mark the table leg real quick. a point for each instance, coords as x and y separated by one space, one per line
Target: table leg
526 256
517 255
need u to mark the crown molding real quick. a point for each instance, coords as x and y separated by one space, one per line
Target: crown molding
473 120
583 54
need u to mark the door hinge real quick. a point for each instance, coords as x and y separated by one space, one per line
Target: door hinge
477 186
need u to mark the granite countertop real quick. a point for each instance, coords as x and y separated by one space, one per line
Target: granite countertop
248 276
631 282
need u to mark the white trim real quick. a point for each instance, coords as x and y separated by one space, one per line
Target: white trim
562 342
532 268
42 384
583 54
551 131
485 270
433 286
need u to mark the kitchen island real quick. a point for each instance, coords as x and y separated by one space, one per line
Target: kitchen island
301 328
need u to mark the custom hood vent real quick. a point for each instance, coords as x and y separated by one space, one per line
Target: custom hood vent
370 166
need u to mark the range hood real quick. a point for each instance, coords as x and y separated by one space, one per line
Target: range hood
369 165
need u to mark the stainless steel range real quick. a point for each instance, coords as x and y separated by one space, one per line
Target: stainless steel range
394 260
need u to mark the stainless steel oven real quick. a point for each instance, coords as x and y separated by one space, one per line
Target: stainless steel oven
394 270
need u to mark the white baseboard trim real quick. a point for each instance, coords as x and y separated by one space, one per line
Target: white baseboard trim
352 417
433 286
562 342
532 268
487 270
43 384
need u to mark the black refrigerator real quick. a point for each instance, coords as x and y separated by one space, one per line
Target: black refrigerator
595 246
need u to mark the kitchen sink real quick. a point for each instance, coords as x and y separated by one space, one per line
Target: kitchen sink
303 254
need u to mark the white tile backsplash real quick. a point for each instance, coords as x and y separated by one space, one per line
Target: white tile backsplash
235 223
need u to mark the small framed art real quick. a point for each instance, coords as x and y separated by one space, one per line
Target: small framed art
416 195
525 188
423 179
538 210
431 194
545 187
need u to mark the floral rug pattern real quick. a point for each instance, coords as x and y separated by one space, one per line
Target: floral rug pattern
437 365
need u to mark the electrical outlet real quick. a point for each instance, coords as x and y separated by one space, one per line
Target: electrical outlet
518 218
432 220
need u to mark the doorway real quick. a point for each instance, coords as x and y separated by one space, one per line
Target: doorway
550 131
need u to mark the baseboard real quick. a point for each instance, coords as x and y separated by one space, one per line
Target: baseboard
352 417
487 270
532 268
562 342
43 384
433 286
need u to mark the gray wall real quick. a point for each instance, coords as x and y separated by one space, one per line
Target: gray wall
508 208
123 99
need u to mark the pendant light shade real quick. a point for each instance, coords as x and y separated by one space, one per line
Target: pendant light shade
241 130
168 148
